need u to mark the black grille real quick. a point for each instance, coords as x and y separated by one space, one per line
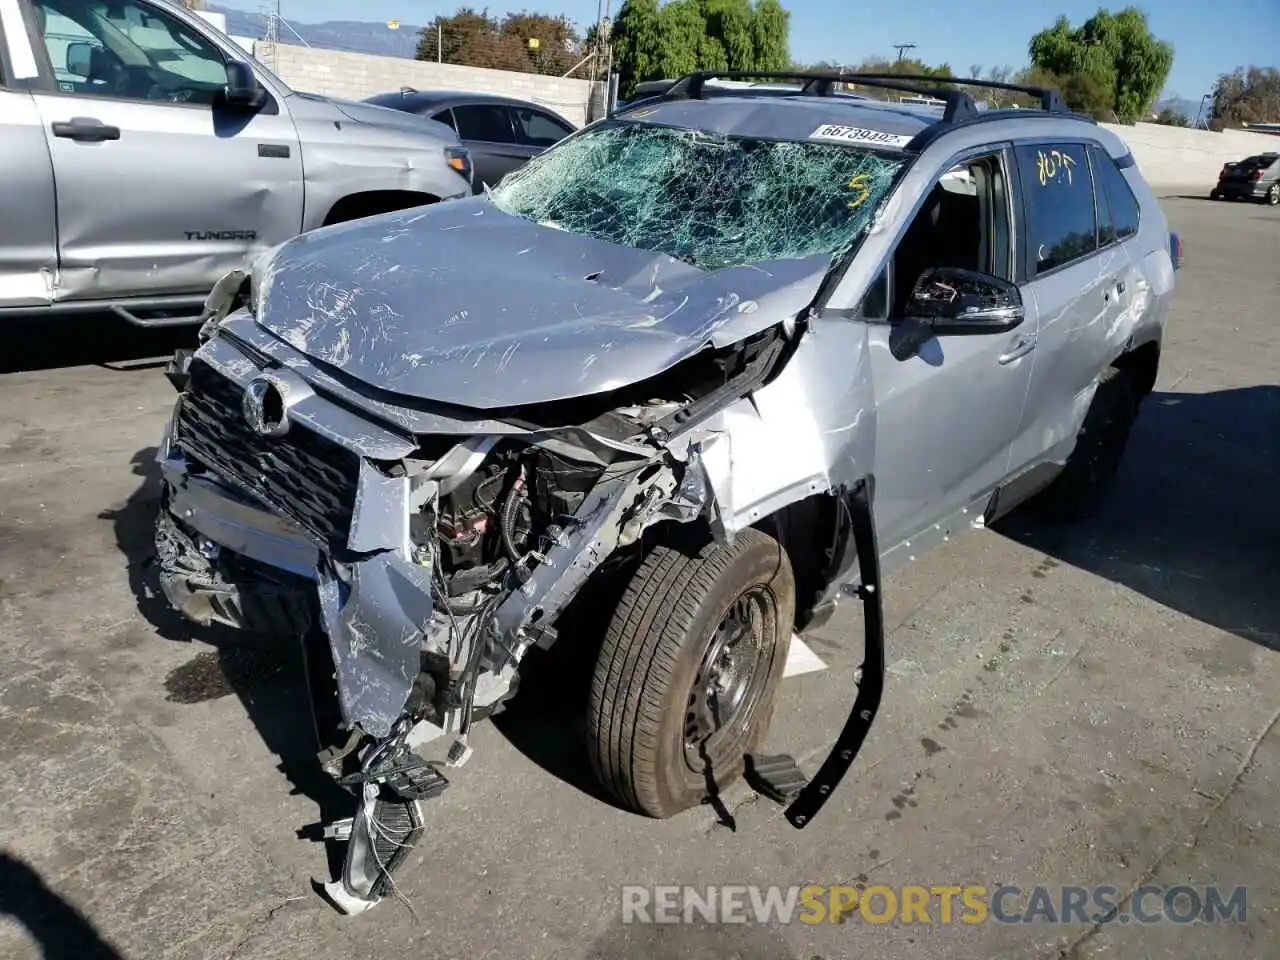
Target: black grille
301 475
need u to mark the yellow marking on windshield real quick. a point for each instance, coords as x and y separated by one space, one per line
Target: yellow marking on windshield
861 183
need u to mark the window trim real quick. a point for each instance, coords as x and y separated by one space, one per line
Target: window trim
513 142
1028 253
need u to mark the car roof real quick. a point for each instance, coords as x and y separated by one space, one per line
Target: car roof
783 117
882 124
410 99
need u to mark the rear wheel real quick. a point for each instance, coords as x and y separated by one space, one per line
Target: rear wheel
1273 194
685 683
1078 490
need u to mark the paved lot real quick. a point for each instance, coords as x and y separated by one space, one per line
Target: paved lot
1090 707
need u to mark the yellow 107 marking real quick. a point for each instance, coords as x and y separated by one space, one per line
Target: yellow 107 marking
1048 165
859 182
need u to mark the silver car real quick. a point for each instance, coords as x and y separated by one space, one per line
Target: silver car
145 155
707 368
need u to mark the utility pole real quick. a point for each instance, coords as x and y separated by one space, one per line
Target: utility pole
900 47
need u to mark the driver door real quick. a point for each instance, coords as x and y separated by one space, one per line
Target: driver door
948 406
160 189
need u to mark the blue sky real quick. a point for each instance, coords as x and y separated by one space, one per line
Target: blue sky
1209 38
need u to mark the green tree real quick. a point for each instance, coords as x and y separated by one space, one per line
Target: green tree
1110 65
652 40
681 38
729 28
770 27
556 39
474 39
1171 118
637 52
1246 96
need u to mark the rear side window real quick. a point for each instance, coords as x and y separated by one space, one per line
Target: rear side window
444 116
1058 192
1117 206
483 121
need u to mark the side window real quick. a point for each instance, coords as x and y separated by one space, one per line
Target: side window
537 129
1114 196
444 116
484 121
128 50
963 222
1058 193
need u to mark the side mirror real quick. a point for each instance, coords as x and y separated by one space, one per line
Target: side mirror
80 60
242 88
951 301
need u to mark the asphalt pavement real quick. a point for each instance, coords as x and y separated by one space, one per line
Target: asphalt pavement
1082 707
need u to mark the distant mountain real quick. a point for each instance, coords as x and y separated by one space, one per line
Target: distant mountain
354 35
1188 108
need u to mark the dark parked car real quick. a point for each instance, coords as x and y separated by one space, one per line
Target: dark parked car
1253 178
502 133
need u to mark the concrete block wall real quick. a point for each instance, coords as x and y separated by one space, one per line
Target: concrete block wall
354 76
1177 158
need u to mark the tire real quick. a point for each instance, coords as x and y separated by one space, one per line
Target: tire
1077 492
649 681
1273 194
1214 195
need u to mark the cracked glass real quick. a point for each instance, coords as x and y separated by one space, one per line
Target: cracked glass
710 200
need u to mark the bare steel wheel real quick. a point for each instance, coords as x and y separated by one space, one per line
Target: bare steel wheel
685 682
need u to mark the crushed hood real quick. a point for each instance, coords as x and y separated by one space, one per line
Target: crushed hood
461 303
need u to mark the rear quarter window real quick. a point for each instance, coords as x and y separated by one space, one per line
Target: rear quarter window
1057 189
1118 209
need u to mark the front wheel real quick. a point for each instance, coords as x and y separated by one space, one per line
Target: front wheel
685 682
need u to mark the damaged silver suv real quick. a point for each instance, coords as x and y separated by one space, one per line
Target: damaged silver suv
712 363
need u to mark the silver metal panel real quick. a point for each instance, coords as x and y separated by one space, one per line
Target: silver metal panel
28 224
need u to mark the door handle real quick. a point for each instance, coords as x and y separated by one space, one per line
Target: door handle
85 130
1120 286
1021 347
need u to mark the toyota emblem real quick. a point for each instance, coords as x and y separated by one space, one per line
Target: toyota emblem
266 407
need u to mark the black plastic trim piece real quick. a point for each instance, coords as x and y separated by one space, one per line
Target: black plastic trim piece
871 683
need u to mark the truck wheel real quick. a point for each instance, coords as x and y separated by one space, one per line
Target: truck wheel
686 678
1078 490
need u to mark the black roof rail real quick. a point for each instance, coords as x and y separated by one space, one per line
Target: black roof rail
959 106
1050 100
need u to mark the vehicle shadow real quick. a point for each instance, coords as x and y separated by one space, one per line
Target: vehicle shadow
60 930
268 674
545 721
1193 518
88 339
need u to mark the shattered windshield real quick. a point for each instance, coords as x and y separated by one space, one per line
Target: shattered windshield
709 200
